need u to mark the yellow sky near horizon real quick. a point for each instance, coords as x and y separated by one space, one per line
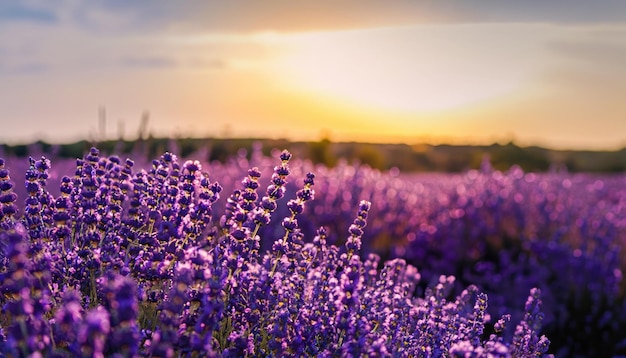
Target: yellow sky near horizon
456 83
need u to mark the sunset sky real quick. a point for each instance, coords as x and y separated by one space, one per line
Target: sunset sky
550 73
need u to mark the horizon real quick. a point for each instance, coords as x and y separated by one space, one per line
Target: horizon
475 73
415 144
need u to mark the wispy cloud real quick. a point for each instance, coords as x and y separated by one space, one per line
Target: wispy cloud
208 63
237 16
602 49
30 68
15 11
195 16
148 62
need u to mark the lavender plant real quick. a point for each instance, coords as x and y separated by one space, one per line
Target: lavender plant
505 232
127 263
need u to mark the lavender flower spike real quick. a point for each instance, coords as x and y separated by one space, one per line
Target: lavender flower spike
353 244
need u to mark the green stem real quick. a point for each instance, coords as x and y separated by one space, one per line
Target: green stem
93 294
25 334
273 272
256 230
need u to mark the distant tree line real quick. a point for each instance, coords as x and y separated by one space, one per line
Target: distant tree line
407 158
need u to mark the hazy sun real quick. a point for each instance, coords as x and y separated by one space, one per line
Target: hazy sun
395 69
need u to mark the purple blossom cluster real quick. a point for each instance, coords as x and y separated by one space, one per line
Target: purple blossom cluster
505 232
128 262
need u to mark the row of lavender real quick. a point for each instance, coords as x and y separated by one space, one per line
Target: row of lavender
505 232
126 262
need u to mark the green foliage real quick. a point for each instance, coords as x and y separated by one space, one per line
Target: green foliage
321 152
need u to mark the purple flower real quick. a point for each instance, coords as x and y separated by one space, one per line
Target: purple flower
93 331
66 320
353 244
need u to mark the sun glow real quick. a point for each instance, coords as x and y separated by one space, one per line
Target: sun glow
408 69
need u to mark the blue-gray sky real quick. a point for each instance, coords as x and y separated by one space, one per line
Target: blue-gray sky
539 72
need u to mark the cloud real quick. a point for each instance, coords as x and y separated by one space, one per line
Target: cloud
10 11
29 68
555 12
123 18
148 62
208 63
600 50
288 15
587 63
196 16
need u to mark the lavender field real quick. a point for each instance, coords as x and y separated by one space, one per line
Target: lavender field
275 256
